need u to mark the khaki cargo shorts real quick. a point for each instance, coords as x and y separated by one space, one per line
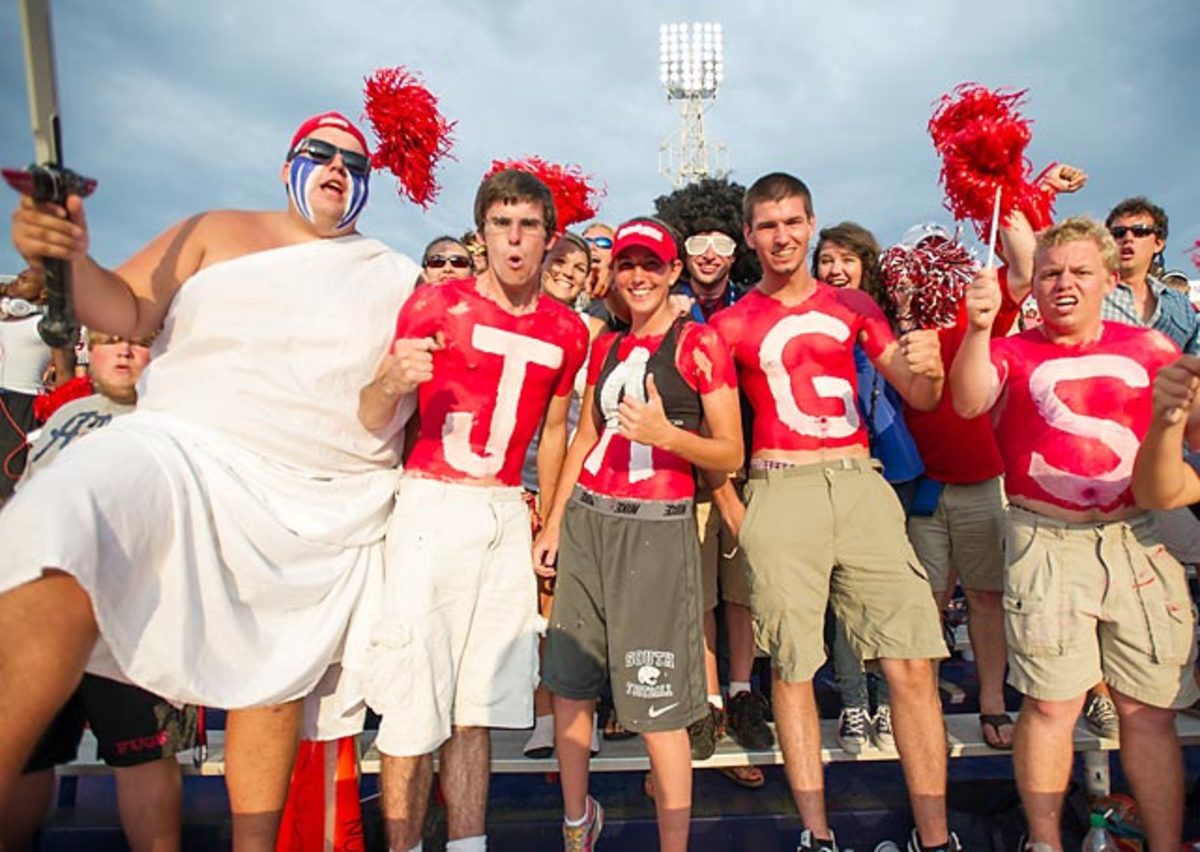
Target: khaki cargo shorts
722 563
1085 602
834 532
965 533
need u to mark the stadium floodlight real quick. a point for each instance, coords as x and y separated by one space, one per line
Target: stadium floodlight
691 68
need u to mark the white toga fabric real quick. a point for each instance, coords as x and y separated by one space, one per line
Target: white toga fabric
230 531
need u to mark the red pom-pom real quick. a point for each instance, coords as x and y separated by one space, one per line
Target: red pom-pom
926 279
575 200
412 134
48 402
1196 254
981 138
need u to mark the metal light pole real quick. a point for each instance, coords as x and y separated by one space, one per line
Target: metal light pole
691 68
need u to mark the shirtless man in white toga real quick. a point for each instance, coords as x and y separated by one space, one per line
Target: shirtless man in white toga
214 547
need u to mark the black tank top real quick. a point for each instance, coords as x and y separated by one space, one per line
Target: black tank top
681 404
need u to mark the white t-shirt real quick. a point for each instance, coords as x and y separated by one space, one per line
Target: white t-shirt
23 356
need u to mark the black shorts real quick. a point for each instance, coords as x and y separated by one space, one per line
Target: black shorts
131 725
627 607
15 421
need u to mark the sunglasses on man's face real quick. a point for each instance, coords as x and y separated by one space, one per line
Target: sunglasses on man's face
457 261
1119 231
723 245
320 151
599 242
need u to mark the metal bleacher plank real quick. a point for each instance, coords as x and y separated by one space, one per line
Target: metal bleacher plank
962 733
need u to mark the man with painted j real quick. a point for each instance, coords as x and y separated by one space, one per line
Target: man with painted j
219 545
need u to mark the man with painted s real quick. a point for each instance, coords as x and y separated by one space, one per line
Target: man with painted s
1089 591
245 432
821 523
455 651
628 600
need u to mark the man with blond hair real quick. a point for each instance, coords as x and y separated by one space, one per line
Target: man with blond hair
1090 593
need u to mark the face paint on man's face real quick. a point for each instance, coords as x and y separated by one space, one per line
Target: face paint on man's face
302 179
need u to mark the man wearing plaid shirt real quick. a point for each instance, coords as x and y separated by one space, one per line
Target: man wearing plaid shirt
1140 229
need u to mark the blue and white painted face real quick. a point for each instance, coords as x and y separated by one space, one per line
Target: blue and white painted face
322 189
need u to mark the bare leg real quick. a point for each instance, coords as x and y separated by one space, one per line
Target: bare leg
799 730
740 628
921 741
27 806
671 765
572 744
405 785
47 631
1153 763
260 748
711 679
985 623
150 799
466 768
1042 757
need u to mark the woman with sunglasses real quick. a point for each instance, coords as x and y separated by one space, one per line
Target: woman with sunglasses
445 259
628 601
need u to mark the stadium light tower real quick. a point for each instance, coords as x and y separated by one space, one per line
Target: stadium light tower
691 68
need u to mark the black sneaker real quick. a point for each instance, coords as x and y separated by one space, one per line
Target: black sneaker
952 844
746 715
705 732
809 843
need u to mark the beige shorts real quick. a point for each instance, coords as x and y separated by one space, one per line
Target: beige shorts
458 641
834 532
1085 602
722 563
965 533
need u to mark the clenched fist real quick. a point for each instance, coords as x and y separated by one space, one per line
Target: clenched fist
983 299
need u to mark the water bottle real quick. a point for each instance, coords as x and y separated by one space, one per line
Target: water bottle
1098 839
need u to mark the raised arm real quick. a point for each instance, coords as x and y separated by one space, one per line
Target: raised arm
130 301
974 383
913 366
1161 477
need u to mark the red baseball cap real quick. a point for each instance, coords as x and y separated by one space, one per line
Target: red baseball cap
648 234
330 119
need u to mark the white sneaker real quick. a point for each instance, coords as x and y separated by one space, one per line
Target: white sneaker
541 742
881 729
852 729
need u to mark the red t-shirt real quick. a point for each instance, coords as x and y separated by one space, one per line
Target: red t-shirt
618 467
796 364
1069 419
955 449
492 380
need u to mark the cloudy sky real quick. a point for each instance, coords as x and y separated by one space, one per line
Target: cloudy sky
178 107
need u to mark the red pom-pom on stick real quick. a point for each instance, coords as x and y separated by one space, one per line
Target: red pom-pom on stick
412 134
1196 255
45 404
575 200
981 138
927 280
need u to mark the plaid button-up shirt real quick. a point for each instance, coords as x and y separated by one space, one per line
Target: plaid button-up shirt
1174 315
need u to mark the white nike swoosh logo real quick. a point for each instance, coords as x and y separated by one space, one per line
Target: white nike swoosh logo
655 712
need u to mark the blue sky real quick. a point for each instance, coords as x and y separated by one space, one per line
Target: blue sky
180 107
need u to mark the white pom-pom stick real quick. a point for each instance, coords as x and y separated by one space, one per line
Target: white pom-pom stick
991 258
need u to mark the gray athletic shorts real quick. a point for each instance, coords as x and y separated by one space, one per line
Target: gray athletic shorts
627 606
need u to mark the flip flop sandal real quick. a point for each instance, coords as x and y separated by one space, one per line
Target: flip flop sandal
995 721
752 783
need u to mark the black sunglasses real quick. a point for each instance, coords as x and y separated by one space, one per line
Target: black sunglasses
457 261
1119 231
321 151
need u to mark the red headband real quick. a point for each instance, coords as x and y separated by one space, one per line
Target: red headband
330 119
